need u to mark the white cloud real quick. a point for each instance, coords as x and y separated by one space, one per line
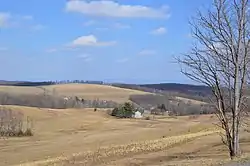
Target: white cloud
123 60
159 31
108 8
91 40
11 20
121 26
147 52
4 19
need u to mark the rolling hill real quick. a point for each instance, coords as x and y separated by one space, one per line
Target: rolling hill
169 87
86 91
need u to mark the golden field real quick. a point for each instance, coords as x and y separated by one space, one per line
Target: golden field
84 137
86 91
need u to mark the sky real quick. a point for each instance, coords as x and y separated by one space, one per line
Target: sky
130 41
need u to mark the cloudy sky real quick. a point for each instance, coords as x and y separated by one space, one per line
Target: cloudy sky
129 41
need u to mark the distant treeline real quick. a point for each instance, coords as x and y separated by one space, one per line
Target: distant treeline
181 88
195 92
54 101
44 83
162 87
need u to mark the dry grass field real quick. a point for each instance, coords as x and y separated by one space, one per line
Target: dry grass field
85 137
91 91
87 91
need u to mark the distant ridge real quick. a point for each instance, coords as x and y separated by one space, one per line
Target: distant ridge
25 83
178 87
199 90
196 92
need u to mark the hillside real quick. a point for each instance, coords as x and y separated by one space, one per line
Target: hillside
72 137
78 131
182 88
170 87
194 92
86 91
94 91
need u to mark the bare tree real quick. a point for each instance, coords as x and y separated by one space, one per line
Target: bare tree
220 60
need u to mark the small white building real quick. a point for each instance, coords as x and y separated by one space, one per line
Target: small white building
138 115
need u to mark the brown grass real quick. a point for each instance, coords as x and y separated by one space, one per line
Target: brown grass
87 91
127 149
91 91
84 137
66 132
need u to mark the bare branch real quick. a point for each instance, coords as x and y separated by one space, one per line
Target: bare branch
220 59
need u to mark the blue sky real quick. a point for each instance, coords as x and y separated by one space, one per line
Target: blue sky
129 41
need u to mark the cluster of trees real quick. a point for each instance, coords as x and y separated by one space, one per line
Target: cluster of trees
52 101
151 100
95 103
183 109
163 103
126 110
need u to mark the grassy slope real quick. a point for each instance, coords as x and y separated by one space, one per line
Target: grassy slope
62 133
91 91
87 91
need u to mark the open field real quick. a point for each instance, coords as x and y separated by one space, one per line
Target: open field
89 92
86 91
85 137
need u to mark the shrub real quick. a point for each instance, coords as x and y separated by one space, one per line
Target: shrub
12 124
127 110
28 132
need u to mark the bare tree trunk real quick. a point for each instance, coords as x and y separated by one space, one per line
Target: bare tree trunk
221 60
236 113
